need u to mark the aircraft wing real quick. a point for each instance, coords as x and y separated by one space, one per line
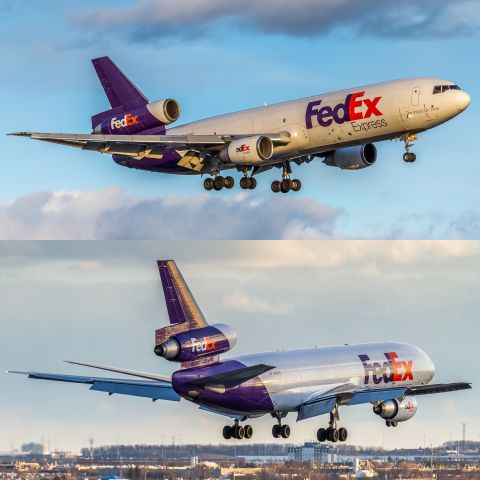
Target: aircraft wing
348 394
142 145
438 388
156 390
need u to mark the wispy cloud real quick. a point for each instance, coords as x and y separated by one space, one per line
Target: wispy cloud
410 19
246 303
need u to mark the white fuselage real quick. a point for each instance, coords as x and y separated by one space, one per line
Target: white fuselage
299 374
324 122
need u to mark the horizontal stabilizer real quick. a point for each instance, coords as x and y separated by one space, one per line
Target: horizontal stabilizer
232 378
133 373
138 388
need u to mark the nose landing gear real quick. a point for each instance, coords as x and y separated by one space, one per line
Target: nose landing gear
408 140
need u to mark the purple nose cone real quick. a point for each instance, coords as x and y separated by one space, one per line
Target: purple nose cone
247 398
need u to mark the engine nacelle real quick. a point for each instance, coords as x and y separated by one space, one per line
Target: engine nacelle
248 150
396 410
352 158
198 343
167 111
153 115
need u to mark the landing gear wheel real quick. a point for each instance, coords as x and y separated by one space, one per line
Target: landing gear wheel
275 186
342 434
238 432
296 184
388 423
286 185
252 183
285 431
208 184
244 183
332 434
248 430
276 431
218 183
229 182
227 432
409 157
322 434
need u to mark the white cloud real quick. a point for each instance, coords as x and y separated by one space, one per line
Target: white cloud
111 214
246 303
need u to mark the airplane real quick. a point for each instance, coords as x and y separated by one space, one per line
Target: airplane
340 127
309 382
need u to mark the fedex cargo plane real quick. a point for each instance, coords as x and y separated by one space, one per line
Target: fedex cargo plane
310 382
340 127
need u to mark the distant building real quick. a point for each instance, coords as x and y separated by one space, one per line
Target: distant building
312 452
33 448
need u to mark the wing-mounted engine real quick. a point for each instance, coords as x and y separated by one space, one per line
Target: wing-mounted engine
248 150
151 116
198 343
396 410
352 158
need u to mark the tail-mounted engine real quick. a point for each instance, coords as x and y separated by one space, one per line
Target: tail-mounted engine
198 343
352 158
248 150
152 115
396 410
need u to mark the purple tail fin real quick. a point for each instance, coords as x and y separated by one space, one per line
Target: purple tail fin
183 311
122 94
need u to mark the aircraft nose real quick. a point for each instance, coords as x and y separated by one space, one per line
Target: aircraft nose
463 100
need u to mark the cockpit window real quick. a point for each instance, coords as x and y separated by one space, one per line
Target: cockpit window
444 88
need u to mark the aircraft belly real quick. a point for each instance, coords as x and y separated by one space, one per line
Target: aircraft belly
250 396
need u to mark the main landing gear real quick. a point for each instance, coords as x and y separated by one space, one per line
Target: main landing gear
248 182
388 423
286 184
237 431
332 434
408 140
280 430
218 182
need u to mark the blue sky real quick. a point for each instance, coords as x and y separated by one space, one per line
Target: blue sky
227 58
100 302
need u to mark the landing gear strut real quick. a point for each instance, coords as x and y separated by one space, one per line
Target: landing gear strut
280 430
408 140
237 431
286 184
332 434
218 182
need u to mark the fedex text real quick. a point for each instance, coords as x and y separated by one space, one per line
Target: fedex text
354 108
392 370
124 121
205 344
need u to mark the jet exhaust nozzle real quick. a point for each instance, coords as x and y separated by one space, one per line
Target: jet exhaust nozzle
169 349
